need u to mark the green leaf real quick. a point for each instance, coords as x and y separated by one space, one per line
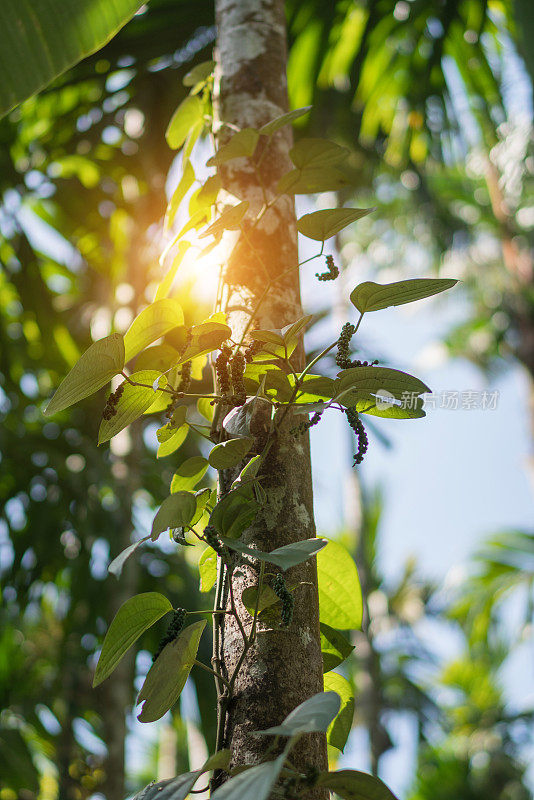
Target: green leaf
363 388
317 153
184 184
312 715
168 674
340 595
371 296
43 38
321 225
234 513
353 785
165 285
134 401
179 788
334 647
227 454
199 73
133 618
189 473
241 145
115 566
207 566
230 220
171 445
176 511
96 367
312 180
202 497
188 115
284 557
154 321
206 195
267 598
278 122
340 727
255 783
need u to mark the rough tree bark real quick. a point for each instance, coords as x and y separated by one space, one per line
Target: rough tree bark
284 666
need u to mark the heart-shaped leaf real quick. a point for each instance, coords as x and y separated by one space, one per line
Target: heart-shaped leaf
207 567
227 454
334 647
353 785
96 367
284 557
176 511
168 674
340 727
371 296
189 473
241 145
133 402
278 122
321 225
154 321
340 595
133 618
188 114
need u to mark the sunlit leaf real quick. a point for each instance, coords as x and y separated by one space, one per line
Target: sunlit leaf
199 73
227 454
96 367
340 727
132 403
171 445
334 647
133 618
207 567
371 296
154 321
230 220
189 473
40 40
167 676
359 386
275 124
205 408
188 114
321 225
340 595
184 184
176 511
311 180
241 145
317 153
312 715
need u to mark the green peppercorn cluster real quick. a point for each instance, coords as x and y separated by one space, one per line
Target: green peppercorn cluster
304 426
361 435
288 601
332 271
237 369
110 409
176 625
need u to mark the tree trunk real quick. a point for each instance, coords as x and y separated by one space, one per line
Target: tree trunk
284 666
